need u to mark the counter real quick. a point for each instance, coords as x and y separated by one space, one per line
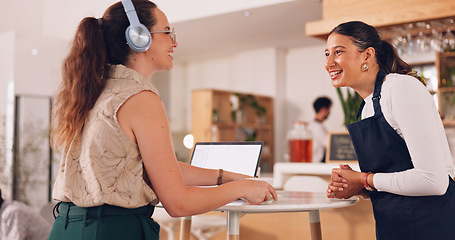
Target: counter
283 170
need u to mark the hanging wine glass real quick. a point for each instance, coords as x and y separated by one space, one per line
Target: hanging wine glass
449 41
422 45
409 46
399 40
436 39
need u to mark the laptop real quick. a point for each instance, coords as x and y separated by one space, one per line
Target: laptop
238 157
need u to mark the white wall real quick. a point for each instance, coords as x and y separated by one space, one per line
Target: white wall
39 73
294 78
306 80
36 26
179 111
254 71
7 47
210 7
59 18
249 72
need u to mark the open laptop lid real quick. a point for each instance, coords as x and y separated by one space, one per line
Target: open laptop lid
238 157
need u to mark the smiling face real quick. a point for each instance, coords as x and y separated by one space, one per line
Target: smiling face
160 53
343 61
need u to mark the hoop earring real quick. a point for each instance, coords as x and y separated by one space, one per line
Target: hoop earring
364 67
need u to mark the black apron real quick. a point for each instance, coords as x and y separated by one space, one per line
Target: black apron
380 149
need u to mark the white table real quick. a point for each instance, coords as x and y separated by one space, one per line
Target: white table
287 202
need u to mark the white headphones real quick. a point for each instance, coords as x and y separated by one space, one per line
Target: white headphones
137 35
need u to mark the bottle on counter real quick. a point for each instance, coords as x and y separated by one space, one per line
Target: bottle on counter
300 143
214 133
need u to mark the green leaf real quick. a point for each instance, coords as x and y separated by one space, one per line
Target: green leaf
350 104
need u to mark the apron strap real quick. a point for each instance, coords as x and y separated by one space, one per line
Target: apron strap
376 95
377 92
359 112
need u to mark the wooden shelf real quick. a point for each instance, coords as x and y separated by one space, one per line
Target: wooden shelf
243 125
448 123
446 90
392 13
447 54
214 119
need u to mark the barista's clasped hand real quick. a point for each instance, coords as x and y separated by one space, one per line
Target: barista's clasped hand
345 183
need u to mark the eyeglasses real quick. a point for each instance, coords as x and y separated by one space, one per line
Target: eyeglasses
171 33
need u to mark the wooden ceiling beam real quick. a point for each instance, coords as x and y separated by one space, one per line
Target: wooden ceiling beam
378 13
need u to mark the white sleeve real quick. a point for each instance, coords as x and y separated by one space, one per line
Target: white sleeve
319 133
413 111
14 226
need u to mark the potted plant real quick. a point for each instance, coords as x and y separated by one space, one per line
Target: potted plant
350 104
251 101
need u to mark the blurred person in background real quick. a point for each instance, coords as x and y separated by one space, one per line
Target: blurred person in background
21 222
319 133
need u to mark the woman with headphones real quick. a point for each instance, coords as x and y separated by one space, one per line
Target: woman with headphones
112 128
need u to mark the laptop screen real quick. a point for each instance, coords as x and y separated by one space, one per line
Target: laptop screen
238 157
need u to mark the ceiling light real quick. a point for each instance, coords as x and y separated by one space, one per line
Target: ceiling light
34 52
188 141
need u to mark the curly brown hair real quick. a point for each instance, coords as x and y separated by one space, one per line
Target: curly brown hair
97 44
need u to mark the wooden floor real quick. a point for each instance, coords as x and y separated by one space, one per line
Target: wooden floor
350 223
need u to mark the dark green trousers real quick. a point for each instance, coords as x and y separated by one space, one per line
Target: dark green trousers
104 222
